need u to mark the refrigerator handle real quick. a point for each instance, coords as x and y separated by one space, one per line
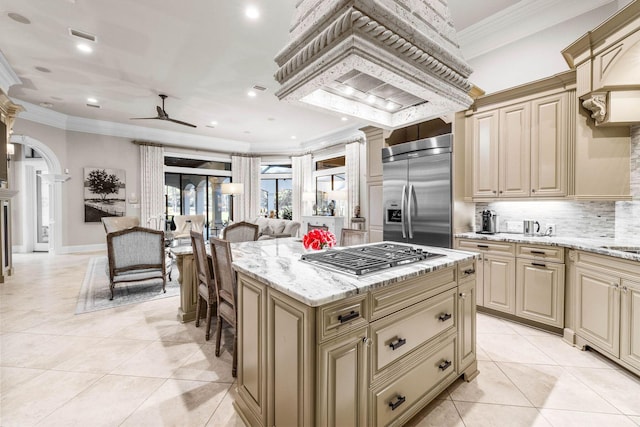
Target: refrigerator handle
409 197
402 205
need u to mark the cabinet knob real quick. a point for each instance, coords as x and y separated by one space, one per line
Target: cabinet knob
367 340
463 295
494 191
615 285
500 191
625 289
533 190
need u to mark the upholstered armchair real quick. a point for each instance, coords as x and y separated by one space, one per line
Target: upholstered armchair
240 232
137 254
187 223
117 223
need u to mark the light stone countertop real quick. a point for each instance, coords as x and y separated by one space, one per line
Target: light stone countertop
277 263
598 245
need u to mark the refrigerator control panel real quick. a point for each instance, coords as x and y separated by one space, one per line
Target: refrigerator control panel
393 214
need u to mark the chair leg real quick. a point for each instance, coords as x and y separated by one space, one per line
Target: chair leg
234 366
111 286
206 335
198 311
164 284
218 335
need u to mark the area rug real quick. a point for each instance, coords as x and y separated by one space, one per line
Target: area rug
94 294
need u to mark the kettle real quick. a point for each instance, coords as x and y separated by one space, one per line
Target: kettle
528 227
489 222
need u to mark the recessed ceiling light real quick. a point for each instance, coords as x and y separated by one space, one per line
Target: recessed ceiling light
92 100
391 105
344 119
252 12
348 90
18 18
371 99
46 104
84 48
43 69
246 131
271 119
214 123
252 93
293 137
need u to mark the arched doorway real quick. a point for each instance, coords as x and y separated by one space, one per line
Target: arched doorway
28 182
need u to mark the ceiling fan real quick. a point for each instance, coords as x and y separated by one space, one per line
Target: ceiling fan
162 115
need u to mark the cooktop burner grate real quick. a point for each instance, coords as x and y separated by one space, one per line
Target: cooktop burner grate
367 259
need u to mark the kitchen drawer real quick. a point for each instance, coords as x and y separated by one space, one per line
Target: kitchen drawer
390 401
390 299
400 333
342 316
541 252
487 247
467 270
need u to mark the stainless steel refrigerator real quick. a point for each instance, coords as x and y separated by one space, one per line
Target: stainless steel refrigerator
417 192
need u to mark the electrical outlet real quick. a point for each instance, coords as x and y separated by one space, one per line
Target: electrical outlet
551 229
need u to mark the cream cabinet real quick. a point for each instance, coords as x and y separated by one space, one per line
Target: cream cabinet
520 149
354 361
598 308
495 272
630 322
342 380
607 307
540 280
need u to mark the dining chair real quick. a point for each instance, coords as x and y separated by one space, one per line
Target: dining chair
350 237
320 227
205 281
240 232
227 292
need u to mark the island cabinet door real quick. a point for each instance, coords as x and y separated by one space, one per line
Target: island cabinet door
342 380
630 323
290 361
466 325
252 351
598 308
540 291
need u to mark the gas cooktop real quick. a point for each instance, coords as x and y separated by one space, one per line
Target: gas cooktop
367 259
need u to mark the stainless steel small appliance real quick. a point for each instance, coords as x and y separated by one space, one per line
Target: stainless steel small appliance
489 222
528 226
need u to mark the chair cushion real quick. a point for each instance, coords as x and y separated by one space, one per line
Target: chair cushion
266 231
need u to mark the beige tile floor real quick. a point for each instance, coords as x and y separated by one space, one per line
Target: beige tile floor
138 366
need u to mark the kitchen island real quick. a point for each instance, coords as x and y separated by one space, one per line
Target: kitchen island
320 347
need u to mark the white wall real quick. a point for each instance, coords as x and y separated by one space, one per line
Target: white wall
534 57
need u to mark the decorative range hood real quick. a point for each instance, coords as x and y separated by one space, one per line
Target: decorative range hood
390 62
607 64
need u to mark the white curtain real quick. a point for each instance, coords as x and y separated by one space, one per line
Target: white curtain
246 170
302 177
352 160
152 205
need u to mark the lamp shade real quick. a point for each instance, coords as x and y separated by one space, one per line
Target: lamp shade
232 188
337 195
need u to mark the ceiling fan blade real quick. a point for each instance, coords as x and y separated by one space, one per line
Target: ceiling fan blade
144 118
181 122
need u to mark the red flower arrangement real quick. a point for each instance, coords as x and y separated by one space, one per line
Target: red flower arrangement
318 239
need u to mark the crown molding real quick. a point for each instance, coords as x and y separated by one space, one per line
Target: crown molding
8 77
516 22
45 116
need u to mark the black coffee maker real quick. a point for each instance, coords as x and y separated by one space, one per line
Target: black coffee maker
489 222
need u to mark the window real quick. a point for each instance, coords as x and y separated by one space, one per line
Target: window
276 191
192 187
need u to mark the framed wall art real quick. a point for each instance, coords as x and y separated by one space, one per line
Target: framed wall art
104 193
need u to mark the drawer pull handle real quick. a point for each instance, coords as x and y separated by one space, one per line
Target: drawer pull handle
469 271
538 252
539 264
483 246
444 365
444 317
399 401
346 317
398 343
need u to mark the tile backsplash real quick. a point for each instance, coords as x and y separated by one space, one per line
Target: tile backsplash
579 218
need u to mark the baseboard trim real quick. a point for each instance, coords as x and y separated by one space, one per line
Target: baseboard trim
83 248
